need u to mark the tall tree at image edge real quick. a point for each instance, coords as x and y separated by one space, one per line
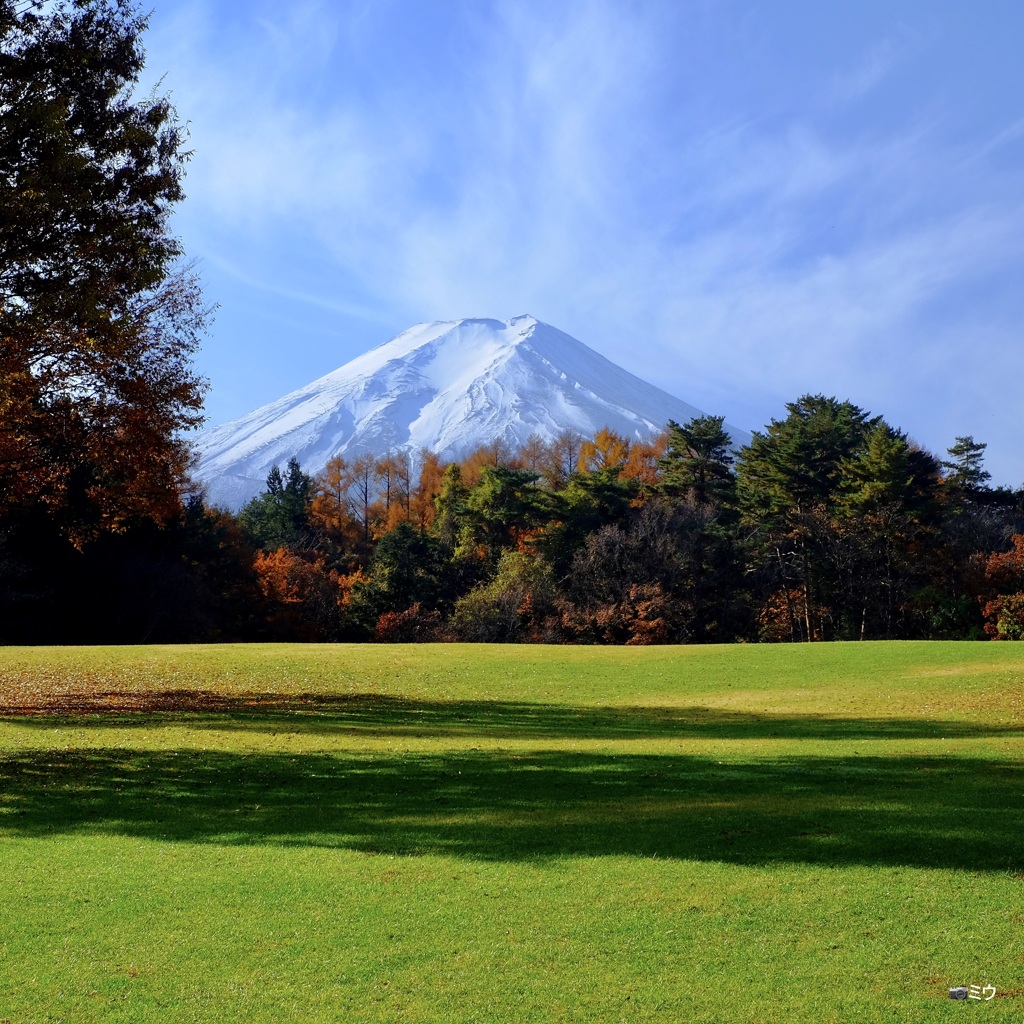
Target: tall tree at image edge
99 316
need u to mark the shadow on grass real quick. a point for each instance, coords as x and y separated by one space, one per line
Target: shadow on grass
937 812
370 714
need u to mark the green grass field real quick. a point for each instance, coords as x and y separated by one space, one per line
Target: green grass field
482 834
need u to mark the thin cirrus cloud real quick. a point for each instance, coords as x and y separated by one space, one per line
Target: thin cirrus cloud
868 75
661 180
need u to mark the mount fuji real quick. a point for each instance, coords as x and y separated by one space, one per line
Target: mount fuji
448 386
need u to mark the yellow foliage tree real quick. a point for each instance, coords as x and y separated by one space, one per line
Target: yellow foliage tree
606 450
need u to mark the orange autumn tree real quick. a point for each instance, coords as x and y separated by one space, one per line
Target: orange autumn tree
428 487
301 594
1003 594
496 455
644 461
606 450
330 511
393 478
98 318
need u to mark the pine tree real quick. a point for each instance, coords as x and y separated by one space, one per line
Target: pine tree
280 516
450 508
699 461
884 534
966 474
789 480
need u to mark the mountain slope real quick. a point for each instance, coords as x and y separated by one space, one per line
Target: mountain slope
447 386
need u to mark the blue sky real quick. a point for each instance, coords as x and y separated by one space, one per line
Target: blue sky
740 201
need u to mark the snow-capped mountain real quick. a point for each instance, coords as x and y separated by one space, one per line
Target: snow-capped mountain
447 386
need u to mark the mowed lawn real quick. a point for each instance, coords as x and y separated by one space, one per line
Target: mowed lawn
516 834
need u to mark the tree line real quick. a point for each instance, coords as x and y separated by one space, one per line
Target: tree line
829 525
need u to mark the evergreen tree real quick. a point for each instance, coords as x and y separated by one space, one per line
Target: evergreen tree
588 502
789 479
699 461
406 569
966 474
279 517
885 536
275 482
296 496
503 507
450 508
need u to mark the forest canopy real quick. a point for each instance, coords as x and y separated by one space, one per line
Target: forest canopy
830 525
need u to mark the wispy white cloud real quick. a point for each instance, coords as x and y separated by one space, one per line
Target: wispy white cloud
1003 138
868 75
268 286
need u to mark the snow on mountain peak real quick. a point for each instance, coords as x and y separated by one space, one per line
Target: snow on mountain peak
450 386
